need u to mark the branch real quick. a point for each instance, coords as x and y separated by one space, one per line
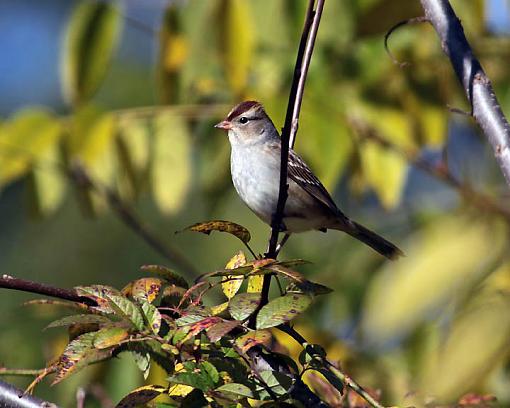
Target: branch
11 396
82 179
9 282
344 378
485 106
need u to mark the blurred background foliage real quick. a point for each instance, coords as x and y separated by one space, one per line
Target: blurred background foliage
131 89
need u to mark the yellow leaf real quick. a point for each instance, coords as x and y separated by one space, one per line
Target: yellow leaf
255 283
238 40
171 167
175 53
434 125
23 140
180 390
475 345
231 284
442 261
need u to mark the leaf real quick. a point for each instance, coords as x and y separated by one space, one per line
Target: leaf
220 329
255 284
143 361
224 226
79 319
218 309
127 310
236 389
171 166
152 316
146 289
98 293
238 41
211 371
200 380
241 306
282 310
230 285
309 288
167 274
253 338
109 336
141 396
278 382
440 266
90 40
79 353
24 140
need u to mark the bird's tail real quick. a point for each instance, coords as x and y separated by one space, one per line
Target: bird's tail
370 238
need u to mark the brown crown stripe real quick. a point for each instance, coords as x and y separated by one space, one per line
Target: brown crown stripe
242 108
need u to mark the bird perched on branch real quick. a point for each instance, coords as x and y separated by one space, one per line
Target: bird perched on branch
255 167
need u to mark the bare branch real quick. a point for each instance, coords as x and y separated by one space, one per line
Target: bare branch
477 86
11 396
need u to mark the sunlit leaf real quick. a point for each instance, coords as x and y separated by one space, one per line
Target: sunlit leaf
171 166
141 396
146 288
440 264
152 316
253 338
238 41
242 305
224 226
475 344
230 284
27 139
255 284
109 336
166 273
79 353
282 309
90 40
143 361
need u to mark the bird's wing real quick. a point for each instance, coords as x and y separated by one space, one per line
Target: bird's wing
299 172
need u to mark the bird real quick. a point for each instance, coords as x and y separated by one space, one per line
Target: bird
255 169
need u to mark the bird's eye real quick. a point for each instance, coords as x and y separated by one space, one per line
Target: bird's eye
243 120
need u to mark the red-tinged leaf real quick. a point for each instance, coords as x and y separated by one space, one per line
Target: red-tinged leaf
220 329
282 309
79 353
241 306
141 396
109 336
253 338
127 290
152 316
476 400
80 319
166 273
230 284
262 263
224 226
203 324
288 273
146 289
191 291
99 294
126 310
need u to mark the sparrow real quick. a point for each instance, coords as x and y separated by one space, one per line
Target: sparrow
255 169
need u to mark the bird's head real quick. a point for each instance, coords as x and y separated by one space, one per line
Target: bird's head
248 124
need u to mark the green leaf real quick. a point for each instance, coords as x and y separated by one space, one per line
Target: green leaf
211 371
90 40
200 380
220 329
141 396
219 225
143 361
79 353
127 310
282 310
171 167
278 382
79 319
152 316
236 389
242 305
167 274
231 285
109 336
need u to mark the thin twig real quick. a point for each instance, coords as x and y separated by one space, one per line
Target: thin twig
17 372
477 86
82 179
414 20
9 282
348 381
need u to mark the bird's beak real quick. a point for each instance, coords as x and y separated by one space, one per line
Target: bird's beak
225 125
